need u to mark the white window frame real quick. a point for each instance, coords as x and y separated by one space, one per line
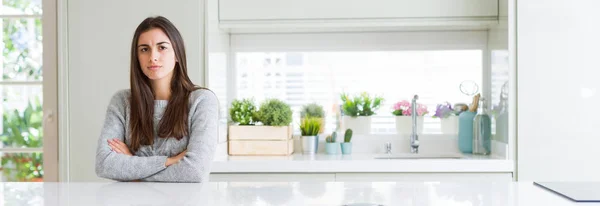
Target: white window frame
363 41
49 86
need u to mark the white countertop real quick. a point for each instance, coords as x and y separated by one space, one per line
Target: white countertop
285 193
323 163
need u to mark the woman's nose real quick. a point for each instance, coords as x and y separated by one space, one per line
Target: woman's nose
155 56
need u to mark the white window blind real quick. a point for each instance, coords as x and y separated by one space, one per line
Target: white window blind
306 68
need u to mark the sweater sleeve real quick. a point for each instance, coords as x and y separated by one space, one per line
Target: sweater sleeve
203 139
120 167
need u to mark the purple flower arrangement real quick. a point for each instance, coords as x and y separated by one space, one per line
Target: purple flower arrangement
444 110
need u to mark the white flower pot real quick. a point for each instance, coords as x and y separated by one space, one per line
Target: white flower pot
449 125
404 125
359 125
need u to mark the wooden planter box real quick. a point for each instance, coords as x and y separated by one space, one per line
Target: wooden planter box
260 140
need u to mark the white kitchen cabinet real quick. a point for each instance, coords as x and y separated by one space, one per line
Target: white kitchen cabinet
299 13
349 177
423 177
272 177
231 10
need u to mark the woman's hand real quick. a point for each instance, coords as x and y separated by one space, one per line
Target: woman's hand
119 147
175 159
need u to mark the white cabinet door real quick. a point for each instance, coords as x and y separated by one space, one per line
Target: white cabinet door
272 177
236 10
423 177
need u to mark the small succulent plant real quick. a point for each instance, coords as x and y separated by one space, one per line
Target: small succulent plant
348 135
331 138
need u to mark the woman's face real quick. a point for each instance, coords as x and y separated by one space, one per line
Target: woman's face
156 54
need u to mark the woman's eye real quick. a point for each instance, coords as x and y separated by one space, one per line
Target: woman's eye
144 49
162 47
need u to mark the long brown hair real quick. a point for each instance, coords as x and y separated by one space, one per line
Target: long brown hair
175 119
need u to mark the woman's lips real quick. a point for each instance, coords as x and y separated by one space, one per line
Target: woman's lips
154 67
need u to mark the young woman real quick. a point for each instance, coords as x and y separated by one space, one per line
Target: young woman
164 128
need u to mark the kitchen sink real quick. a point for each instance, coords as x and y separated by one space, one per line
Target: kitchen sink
420 156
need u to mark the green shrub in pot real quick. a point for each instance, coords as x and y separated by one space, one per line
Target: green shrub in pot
358 110
310 127
312 110
274 112
243 111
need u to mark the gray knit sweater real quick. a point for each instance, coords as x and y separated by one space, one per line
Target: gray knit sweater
148 163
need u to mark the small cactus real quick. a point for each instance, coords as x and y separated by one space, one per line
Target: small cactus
348 135
331 138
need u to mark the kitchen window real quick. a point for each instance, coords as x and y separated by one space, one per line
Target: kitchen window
317 67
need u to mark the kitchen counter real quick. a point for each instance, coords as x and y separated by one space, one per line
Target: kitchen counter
281 193
323 163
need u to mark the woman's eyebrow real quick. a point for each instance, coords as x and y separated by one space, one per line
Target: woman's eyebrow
159 43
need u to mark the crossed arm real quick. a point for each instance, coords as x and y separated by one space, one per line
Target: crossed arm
115 161
120 147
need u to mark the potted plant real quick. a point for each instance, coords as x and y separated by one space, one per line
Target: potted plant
242 112
347 145
310 127
314 110
403 111
266 131
331 146
23 129
243 116
358 110
448 118
274 112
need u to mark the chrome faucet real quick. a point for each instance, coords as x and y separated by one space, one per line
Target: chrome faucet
388 148
414 137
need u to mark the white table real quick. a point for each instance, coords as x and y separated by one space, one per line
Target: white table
285 193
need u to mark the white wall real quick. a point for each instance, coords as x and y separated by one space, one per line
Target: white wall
99 38
217 61
558 74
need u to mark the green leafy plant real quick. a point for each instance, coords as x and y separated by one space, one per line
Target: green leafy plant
23 130
360 105
331 138
310 126
312 110
243 111
348 135
274 112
